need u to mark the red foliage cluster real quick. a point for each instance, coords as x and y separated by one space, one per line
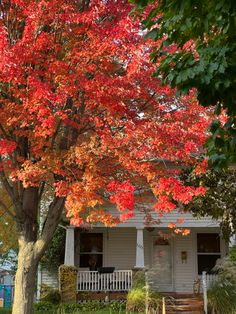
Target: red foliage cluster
80 110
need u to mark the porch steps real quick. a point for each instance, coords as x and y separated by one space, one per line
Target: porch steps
184 305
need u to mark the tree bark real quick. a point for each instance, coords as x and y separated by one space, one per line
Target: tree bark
25 280
32 246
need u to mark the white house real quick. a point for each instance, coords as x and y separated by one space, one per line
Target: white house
106 258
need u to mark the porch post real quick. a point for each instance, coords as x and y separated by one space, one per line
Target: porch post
70 246
139 249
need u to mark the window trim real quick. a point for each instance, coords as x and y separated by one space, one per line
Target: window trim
206 253
92 253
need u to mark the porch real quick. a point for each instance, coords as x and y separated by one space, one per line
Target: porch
173 263
122 280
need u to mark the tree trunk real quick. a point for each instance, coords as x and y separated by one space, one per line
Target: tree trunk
32 246
25 280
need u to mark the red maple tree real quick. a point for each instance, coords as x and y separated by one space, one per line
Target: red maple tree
82 117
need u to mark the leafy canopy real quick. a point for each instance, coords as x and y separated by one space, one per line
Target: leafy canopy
196 48
80 112
219 199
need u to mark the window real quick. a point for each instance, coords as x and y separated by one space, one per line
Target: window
91 250
208 251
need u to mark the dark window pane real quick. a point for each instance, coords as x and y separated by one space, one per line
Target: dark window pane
91 242
93 261
91 248
208 243
206 263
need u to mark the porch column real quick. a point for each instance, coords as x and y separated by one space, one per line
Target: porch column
70 246
139 249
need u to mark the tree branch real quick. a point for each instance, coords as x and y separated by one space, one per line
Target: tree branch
51 222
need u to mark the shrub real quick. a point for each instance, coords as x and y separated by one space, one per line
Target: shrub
222 292
69 308
44 307
117 306
222 297
72 308
226 267
232 254
68 283
53 296
138 298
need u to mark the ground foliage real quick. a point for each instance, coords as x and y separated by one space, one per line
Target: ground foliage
195 48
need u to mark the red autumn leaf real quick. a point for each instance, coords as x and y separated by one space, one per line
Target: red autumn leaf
7 147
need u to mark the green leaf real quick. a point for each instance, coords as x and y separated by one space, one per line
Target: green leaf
153 34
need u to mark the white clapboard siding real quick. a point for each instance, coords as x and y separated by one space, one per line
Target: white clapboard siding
49 278
120 249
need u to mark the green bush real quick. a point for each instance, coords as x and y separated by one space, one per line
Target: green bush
45 307
5 311
138 298
232 254
222 297
72 308
222 292
226 267
117 306
53 296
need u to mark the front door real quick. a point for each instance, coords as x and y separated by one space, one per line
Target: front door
162 276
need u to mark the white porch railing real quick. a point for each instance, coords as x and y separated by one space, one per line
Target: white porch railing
119 280
210 278
206 280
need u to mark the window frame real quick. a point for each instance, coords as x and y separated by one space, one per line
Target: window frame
218 254
91 252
